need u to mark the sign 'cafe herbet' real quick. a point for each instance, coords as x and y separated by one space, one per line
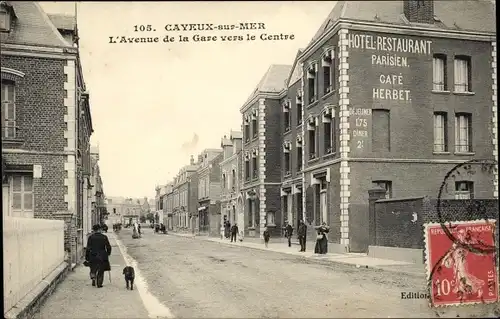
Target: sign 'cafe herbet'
391 52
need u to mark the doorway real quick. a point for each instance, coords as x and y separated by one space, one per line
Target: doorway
323 207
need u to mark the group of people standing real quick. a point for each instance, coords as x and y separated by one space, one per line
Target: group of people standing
321 246
231 231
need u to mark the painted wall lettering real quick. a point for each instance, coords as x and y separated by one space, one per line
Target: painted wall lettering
361 120
389 44
392 51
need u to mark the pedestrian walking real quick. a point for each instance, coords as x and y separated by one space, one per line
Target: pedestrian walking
234 232
139 230
227 230
322 239
302 233
267 236
289 233
97 255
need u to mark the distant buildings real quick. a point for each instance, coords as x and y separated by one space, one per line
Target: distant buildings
232 207
262 140
209 189
388 95
185 197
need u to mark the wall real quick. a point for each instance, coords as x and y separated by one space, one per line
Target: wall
33 248
273 139
412 115
40 117
396 225
328 99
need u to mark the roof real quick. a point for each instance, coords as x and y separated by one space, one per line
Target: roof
295 70
469 15
235 134
33 26
273 80
63 21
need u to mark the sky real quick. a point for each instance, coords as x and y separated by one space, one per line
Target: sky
155 104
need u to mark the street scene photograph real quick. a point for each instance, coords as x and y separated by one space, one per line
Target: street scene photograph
249 159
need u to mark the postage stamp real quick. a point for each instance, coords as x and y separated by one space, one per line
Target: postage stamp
461 271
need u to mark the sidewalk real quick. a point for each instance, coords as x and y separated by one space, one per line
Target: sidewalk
355 259
76 298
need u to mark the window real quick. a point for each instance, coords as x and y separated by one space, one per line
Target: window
464 190
328 133
311 129
299 112
246 131
463 133
462 74
328 68
270 219
299 158
381 137
247 169
233 178
254 167
255 128
287 115
311 83
440 132
8 110
439 80
4 21
286 151
387 185
22 196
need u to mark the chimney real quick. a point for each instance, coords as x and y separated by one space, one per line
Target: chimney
192 160
419 11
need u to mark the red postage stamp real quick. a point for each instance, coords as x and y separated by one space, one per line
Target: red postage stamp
459 269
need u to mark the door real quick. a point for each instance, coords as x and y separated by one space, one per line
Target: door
6 200
323 207
289 209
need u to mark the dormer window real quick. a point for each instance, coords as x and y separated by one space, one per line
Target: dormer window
287 115
312 74
328 67
6 14
255 128
246 124
298 102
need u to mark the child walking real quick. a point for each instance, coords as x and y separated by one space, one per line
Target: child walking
266 237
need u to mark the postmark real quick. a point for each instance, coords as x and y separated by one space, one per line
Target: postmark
475 209
461 275
457 240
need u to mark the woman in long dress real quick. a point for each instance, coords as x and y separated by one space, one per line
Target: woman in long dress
322 240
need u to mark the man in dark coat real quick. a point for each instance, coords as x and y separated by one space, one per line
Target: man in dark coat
234 232
97 255
302 233
289 233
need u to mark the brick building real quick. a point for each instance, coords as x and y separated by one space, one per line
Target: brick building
185 197
232 208
291 163
262 144
46 120
396 93
209 189
96 199
166 205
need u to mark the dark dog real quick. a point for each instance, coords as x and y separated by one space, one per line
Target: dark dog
129 274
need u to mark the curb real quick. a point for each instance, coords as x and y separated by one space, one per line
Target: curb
316 260
31 303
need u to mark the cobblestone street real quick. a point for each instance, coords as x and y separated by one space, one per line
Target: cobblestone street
197 278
